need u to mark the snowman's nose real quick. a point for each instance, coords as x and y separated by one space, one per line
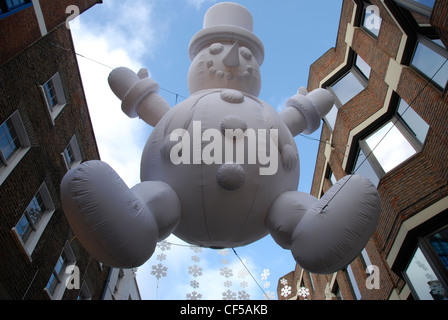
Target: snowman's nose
232 58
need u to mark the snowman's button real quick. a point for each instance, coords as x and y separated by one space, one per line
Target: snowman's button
233 123
231 176
232 96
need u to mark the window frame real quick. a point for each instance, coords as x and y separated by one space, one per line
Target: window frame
426 42
5 11
358 75
405 130
57 292
415 6
73 145
54 109
432 259
8 165
28 245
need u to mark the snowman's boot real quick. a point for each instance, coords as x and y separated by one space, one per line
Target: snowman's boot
326 235
118 226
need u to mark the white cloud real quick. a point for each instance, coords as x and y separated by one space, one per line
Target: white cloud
198 3
119 139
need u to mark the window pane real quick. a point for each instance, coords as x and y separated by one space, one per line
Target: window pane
331 117
23 228
440 244
390 147
423 279
36 209
347 88
429 62
416 124
428 3
363 168
9 141
363 67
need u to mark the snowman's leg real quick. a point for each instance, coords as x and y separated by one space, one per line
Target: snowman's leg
116 225
285 214
335 229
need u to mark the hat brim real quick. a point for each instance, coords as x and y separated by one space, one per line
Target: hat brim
222 33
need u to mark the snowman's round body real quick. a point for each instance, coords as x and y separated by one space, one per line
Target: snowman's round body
216 214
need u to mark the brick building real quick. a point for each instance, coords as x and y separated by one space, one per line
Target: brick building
45 130
389 75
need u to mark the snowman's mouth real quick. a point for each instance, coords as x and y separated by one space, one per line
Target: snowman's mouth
229 75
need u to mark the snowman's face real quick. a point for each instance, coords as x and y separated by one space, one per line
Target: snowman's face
225 65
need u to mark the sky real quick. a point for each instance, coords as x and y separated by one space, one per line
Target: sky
155 34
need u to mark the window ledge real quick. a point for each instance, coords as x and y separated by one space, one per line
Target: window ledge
6 171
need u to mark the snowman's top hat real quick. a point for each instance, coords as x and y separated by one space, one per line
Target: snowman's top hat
227 21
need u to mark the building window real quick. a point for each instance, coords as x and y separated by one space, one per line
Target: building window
34 220
427 272
54 96
423 7
72 154
56 285
8 7
353 285
393 143
14 144
371 20
348 87
430 58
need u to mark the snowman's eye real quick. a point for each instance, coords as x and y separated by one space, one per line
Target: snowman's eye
245 52
216 48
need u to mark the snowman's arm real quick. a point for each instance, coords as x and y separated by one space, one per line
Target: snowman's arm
303 112
139 95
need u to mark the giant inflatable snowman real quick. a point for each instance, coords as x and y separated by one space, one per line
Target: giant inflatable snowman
220 169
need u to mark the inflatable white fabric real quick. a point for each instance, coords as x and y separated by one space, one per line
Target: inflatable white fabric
221 169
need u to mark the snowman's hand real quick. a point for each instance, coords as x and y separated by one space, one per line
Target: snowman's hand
303 112
139 95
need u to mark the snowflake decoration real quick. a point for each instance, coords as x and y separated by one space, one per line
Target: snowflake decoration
242 273
243 295
284 282
243 284
196 249
228 284
161 257
224 261
226 272
267 284
229 295
194 284
195 271
286 291
195 258
223 252
304 292
164 245
194 296
265 274
269 295
159 271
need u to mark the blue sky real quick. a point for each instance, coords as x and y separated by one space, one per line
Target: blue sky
155 34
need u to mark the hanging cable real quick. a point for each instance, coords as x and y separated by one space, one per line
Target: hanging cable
247 269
